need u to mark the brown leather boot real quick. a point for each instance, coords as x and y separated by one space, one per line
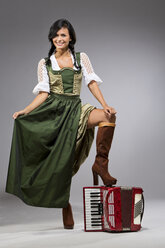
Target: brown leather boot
68 217
103 145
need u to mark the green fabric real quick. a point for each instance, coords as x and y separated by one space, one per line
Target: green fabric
67 80
42 152
50 143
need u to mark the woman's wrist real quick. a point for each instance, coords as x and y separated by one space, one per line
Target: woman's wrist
104 105
26 110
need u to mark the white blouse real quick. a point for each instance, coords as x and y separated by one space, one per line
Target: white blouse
43 78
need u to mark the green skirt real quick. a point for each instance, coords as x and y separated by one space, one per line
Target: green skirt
48 146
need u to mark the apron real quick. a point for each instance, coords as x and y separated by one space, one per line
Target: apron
50 143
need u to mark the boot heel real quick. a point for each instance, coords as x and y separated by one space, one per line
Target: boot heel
68 217
95 178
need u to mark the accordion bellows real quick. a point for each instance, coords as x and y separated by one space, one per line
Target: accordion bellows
113 208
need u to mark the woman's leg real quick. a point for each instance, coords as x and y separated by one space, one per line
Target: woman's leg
104 138
98 115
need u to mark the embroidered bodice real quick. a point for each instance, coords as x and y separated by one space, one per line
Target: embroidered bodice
66 80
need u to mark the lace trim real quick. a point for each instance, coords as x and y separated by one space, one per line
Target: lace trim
41 65
87 63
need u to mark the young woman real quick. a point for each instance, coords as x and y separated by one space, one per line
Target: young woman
52 136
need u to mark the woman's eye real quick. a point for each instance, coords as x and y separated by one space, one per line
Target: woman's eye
63 35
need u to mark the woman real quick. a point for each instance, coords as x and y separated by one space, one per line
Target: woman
52 136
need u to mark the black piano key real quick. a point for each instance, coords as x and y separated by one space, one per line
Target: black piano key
95 193
95 200
94 196
96 221
96 224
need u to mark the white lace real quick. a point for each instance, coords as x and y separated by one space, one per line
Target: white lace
43 78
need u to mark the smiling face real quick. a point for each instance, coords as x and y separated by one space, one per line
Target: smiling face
61 40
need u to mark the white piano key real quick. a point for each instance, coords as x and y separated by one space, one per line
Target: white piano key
93 228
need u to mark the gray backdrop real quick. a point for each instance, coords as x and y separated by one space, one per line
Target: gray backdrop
124 40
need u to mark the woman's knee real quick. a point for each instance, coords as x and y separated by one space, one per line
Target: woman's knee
108 117
98 115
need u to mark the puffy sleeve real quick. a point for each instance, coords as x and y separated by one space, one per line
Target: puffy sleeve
87 69
43 78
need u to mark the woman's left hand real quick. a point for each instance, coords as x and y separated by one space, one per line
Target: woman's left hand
109 110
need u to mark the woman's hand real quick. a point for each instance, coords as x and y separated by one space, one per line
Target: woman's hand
21 112
109 110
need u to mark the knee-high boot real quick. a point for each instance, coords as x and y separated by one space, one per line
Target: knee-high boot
103 145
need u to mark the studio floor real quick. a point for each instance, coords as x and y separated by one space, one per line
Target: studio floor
23 226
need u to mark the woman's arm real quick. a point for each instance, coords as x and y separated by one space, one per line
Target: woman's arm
98 95
40 98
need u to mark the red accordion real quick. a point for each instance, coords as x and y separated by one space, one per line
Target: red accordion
113 208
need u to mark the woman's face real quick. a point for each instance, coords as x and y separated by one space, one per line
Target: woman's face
61 40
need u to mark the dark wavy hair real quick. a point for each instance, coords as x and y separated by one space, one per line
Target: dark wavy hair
55 27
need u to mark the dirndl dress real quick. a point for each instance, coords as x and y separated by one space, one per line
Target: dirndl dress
50 143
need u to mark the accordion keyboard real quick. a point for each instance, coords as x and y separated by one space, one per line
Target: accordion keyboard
93 209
